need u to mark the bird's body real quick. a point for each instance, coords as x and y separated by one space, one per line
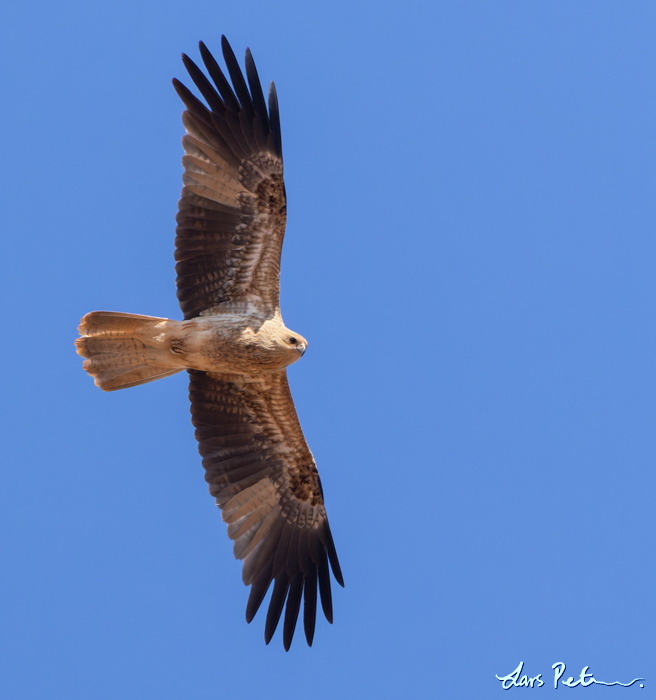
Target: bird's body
223 342
234 344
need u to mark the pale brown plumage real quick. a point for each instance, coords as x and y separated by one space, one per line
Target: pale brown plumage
234 344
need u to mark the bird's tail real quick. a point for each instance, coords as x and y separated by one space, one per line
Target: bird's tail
124 350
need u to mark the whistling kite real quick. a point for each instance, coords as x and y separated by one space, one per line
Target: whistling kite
234 344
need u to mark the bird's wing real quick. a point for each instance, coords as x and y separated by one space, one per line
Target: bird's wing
232 212
265 480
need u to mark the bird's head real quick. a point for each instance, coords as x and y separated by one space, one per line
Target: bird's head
289 344
272 345
295 345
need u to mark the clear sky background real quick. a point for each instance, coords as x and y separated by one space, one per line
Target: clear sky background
471 253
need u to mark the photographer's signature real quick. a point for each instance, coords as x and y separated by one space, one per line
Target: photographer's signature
517 680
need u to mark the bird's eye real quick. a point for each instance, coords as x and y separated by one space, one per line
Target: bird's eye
293 340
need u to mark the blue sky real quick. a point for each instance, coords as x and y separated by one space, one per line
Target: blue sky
470 252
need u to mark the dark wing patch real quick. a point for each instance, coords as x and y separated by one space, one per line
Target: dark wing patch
265 480
233 211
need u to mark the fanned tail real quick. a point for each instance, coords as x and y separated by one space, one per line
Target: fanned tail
124 350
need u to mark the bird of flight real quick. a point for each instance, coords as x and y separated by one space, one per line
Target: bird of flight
234 345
